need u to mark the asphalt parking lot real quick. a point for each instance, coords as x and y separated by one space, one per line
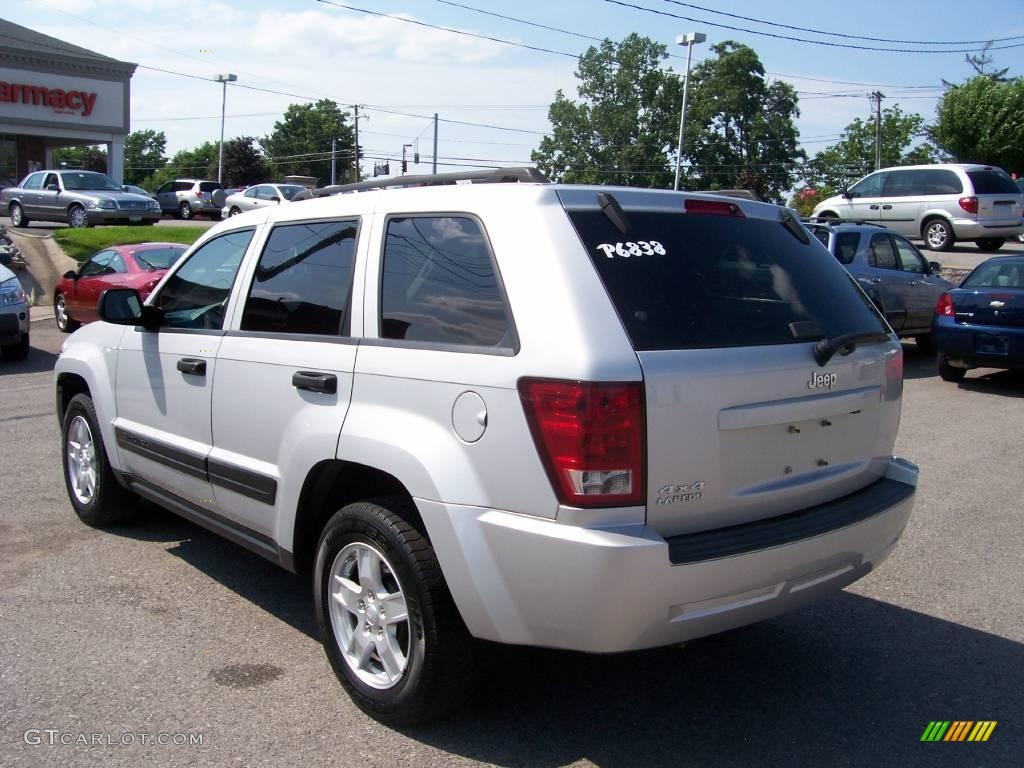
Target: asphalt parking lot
162 627
166 221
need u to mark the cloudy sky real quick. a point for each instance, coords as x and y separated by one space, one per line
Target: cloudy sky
309 49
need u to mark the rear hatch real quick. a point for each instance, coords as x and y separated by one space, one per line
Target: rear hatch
993 294
724 302
1000 202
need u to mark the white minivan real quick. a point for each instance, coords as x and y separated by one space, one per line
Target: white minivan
938 203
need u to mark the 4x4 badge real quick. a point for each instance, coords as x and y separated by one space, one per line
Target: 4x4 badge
822 381
671 494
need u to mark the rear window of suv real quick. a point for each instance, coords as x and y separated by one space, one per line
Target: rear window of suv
992 183
209 186
691 281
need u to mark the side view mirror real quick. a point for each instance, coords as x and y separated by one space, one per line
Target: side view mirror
70 275
276 199
52 188
847 193
123 306
934 267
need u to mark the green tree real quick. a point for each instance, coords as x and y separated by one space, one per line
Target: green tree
90 158
301 142
244 163
853 156
143 155
740 129
982 121
624 125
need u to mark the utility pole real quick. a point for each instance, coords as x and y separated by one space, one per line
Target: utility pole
435 143
224 80
689 39
876 98
332 160
356 108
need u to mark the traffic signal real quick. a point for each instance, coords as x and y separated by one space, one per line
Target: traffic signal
405 166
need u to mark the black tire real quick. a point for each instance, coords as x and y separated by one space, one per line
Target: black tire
78 218
109 503
67 325
19 350
185 212
234 211
216 216
441 655
990 244
925 343
949 373
18 217
937 234
828 217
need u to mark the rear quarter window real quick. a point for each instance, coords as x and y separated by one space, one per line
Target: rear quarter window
992 182
686 281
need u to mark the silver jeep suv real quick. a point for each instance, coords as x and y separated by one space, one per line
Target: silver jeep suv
590 418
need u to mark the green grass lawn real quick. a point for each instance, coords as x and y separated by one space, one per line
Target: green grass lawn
80 244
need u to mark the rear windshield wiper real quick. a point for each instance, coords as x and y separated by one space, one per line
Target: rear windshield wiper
845 344
611 208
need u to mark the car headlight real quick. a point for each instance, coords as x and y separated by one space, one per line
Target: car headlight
104 204
153 205
11 293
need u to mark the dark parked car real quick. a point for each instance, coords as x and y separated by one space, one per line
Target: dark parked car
981 323
77 294
893 273
81 198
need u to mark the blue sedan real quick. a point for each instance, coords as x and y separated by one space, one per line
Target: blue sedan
981 323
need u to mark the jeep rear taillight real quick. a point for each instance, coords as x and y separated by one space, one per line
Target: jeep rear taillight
969 204
591 438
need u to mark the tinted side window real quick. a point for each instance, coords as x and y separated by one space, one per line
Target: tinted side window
51 178
182 186
846 246
33 181
251 191
880 252
266 193
903 184
438 283
910 259
195 295
165 188
303 280
209 186
939 181
869 187
97 265
994 182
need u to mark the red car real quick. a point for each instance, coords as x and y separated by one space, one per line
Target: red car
140 266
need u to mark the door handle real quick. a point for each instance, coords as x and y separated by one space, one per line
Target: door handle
886 207
192 366
325 383
873 207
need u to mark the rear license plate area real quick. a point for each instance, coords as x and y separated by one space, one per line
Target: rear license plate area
134 218
991 344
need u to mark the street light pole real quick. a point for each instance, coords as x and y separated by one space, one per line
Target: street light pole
223 79
688 40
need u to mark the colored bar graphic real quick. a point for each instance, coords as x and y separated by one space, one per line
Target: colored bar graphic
958 730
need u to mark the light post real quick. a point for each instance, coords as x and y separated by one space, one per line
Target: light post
689 39
224 80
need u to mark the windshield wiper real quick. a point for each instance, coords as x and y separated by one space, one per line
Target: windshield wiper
845 344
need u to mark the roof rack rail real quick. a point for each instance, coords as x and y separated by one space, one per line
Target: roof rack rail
490 176
832 221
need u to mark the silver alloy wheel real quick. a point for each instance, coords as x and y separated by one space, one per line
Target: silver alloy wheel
936 234
60 309
185 211
83 468
16 215
78 218
369 615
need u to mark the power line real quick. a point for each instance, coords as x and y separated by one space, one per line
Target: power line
839 34
450 29
790 38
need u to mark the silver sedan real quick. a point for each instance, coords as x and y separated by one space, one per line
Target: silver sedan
260 196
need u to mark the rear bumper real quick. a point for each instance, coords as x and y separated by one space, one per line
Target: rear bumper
534 581
972 229
957 341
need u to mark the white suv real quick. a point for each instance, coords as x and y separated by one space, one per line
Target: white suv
938 203
591 418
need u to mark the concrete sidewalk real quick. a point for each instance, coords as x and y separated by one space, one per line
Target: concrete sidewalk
45 263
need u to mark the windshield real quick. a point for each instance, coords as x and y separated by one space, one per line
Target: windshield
86 180
158 258
687 281
288 191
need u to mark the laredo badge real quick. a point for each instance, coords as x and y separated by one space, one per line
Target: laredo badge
673 494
